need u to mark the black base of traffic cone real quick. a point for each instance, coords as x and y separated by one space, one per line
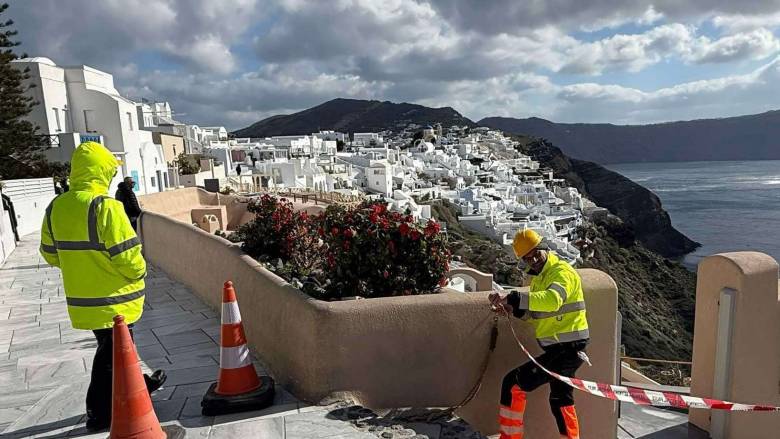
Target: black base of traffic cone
260 398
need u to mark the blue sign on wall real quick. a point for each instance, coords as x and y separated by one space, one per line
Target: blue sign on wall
134 174
90 138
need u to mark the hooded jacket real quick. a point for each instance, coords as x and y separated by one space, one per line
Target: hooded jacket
89 237
127 197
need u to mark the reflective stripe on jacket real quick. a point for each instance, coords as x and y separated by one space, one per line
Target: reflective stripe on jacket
89 237
555 303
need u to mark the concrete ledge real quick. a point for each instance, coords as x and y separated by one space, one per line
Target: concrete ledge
412 351
754 364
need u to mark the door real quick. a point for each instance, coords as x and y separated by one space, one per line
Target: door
160 181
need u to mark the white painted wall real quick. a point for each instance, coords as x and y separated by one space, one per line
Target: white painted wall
7 240
380 179
30 198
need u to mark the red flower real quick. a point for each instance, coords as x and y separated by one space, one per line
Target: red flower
442 281
385 224
409 218
304 216
391 246
404 229
385 274
334 231
373 218
320 231
346 245
379 209
432 228
348 233
415 235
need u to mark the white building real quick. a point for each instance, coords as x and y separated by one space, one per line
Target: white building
332 135
379 178
213 133
78 104
367 139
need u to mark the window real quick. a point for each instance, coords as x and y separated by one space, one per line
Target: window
130 120
65 120
153 183
174 151
57 119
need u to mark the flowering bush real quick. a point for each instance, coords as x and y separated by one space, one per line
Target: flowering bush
364 250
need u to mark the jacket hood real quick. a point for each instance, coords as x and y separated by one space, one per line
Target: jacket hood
92 168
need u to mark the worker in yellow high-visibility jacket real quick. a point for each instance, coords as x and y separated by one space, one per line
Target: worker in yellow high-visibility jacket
555 306
88 236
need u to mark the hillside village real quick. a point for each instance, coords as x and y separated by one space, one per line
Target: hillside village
497 189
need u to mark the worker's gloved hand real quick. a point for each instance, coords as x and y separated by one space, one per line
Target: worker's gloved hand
498 303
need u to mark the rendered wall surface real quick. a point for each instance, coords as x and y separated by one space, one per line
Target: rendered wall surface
755 345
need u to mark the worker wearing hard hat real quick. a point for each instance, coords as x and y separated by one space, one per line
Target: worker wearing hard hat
555 306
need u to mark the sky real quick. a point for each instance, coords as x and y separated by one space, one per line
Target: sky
234 62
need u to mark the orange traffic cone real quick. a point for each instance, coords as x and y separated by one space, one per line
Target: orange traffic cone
238 387
132 414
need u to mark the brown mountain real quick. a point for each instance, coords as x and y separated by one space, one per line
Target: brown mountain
353 115
752 137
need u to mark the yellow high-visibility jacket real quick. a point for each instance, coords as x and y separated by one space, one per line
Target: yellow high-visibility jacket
555 303
89 237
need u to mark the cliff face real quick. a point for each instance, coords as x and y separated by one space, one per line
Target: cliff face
656 296
639 208
751 137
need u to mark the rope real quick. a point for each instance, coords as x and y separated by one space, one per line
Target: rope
448 412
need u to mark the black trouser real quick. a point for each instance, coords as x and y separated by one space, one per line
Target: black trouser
561 358
99 392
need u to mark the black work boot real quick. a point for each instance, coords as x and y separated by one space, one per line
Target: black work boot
97 423
155 381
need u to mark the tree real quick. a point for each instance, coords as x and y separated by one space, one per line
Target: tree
187 165
21 147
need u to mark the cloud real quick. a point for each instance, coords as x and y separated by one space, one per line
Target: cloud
507 16
717 97
757 44
196 33
236 61
739 22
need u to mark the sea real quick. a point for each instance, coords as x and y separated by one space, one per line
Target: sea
725 206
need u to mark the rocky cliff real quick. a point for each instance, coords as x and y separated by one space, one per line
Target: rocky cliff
639 208
656 296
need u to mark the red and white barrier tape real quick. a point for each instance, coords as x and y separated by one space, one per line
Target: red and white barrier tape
639 396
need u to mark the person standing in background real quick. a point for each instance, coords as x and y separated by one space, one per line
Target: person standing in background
126 195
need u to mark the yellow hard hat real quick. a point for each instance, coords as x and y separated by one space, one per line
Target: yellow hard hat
525 241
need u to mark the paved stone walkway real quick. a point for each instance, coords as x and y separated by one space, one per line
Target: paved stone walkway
45 364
